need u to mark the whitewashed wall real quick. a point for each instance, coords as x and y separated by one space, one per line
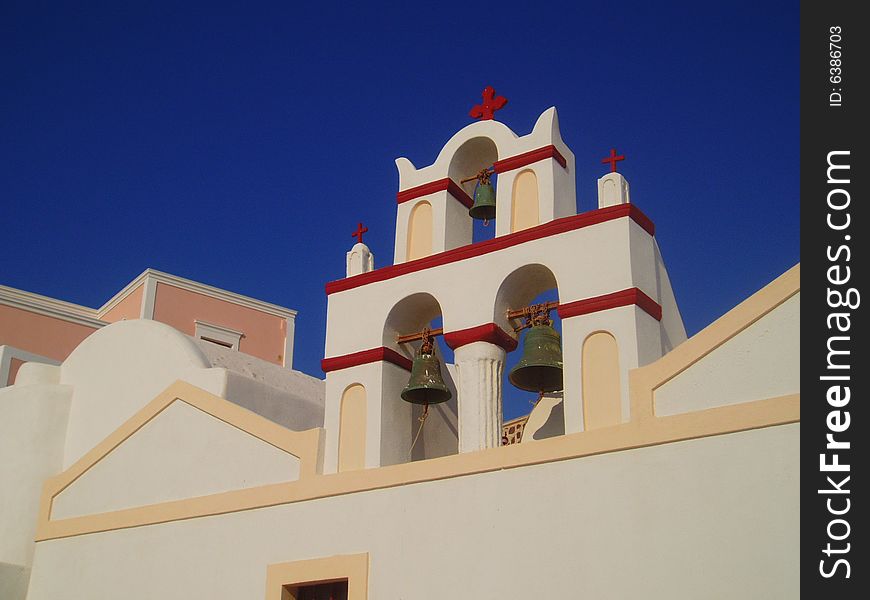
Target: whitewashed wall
762 361
695 519
183 452
119 369
32 423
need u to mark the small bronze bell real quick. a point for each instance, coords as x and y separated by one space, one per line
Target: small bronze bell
483 208
484 202
425 385
540 368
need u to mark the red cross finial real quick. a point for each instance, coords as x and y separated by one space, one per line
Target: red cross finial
612 159
491 103
360 230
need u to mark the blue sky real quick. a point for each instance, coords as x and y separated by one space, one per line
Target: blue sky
239 145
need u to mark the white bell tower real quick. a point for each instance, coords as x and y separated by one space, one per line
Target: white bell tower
615 302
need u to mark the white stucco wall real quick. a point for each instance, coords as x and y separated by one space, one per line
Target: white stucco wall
762 361
13 581
287 397
33 421
183 452
695 519
8 353
119 369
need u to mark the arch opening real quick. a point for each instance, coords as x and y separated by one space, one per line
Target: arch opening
472 156
530 284
440 434
469 159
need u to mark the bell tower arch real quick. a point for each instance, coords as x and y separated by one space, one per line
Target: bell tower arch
534 184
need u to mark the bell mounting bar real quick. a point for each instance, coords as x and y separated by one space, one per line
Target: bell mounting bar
426 335
534 314
483 176
413 337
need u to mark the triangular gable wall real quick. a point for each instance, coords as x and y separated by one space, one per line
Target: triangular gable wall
185 443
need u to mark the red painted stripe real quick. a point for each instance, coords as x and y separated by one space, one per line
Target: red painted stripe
488 332
442 185
527 158
492 333
592 217
614 300
364 357
641 219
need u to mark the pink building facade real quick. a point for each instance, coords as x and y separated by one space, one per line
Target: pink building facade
43 329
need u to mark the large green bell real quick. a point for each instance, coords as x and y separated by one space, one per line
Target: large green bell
426 385
484 202
540 368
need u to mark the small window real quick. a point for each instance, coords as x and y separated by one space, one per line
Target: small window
336 590
218 342
218 334
334 578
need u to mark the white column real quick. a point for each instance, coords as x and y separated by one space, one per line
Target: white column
480 366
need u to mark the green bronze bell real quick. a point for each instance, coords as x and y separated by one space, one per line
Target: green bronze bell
484 202
426 385
540 368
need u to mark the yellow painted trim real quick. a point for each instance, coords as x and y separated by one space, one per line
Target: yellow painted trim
714 421
525 201
421 235
353 409
353 567
600 381
644 381
304 445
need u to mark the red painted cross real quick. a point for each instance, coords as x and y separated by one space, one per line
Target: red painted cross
612 159
360 230
491 103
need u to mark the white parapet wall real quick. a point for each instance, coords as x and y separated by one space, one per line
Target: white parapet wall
692 519
762 361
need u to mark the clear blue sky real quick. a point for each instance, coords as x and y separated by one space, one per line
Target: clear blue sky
239 145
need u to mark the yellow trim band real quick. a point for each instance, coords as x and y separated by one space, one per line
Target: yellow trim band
714 421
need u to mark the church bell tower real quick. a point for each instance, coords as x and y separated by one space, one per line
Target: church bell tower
615 302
